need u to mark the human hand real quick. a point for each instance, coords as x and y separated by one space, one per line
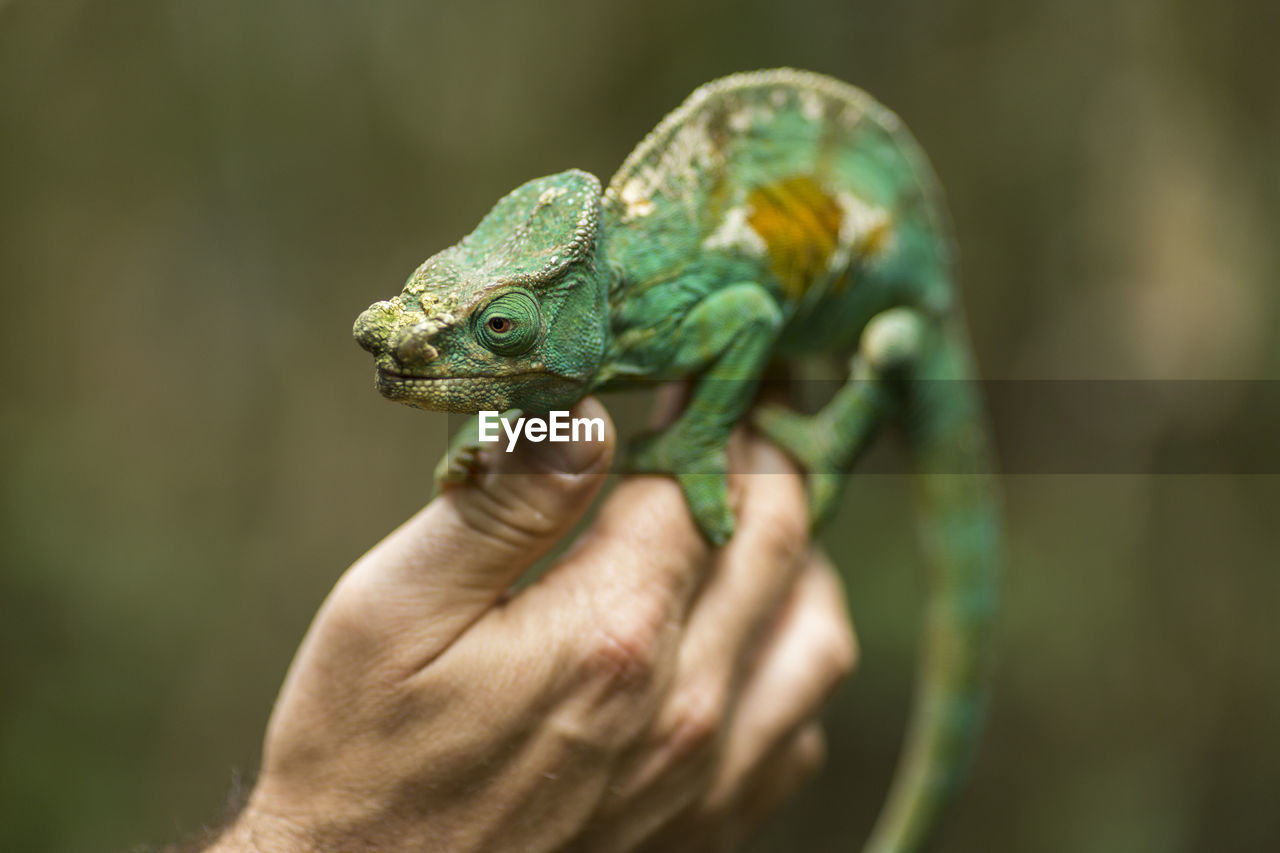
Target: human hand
647 692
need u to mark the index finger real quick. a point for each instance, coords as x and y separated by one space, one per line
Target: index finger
643 550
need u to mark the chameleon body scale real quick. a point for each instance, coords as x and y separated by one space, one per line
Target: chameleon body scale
774 214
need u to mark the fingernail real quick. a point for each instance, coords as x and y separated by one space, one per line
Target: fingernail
595 436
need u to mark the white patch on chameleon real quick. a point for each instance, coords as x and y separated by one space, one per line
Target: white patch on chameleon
858 221
694 148
743 118
636 200
810 105
735 232
676 174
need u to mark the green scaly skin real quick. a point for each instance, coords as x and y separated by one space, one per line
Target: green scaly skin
774 214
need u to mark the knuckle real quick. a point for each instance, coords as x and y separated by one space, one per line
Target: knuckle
580 736
695 722
627 647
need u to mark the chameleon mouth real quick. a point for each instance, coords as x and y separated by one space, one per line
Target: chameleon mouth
393 376
465 394
461 394
405 386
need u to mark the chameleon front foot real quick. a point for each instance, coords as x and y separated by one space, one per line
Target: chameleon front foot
701 473
462 463
827 444
467 456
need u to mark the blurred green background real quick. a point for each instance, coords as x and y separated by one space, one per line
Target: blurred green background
196 199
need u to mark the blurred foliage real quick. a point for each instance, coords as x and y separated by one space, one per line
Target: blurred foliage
197 198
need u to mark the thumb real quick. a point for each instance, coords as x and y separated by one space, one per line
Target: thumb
523 501
442 569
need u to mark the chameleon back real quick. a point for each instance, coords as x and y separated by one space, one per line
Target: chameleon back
793 179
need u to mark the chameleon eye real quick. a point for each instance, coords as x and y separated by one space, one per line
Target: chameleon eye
510 324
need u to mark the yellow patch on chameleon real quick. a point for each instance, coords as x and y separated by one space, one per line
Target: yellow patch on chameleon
800 225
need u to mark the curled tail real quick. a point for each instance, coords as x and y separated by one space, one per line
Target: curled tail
959 520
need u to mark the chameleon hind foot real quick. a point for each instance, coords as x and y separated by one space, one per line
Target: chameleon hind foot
701 472
807 439
827 444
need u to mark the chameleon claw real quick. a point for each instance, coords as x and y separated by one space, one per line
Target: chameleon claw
466 459
461 465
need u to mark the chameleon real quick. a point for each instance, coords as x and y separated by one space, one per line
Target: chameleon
773 216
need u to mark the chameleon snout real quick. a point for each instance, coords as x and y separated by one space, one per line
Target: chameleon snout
412 346
373 327
385 328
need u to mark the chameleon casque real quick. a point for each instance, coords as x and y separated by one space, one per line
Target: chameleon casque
774 214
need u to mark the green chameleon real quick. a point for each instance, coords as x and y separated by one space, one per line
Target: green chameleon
772 215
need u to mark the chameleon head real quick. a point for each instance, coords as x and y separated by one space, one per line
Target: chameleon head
514 315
